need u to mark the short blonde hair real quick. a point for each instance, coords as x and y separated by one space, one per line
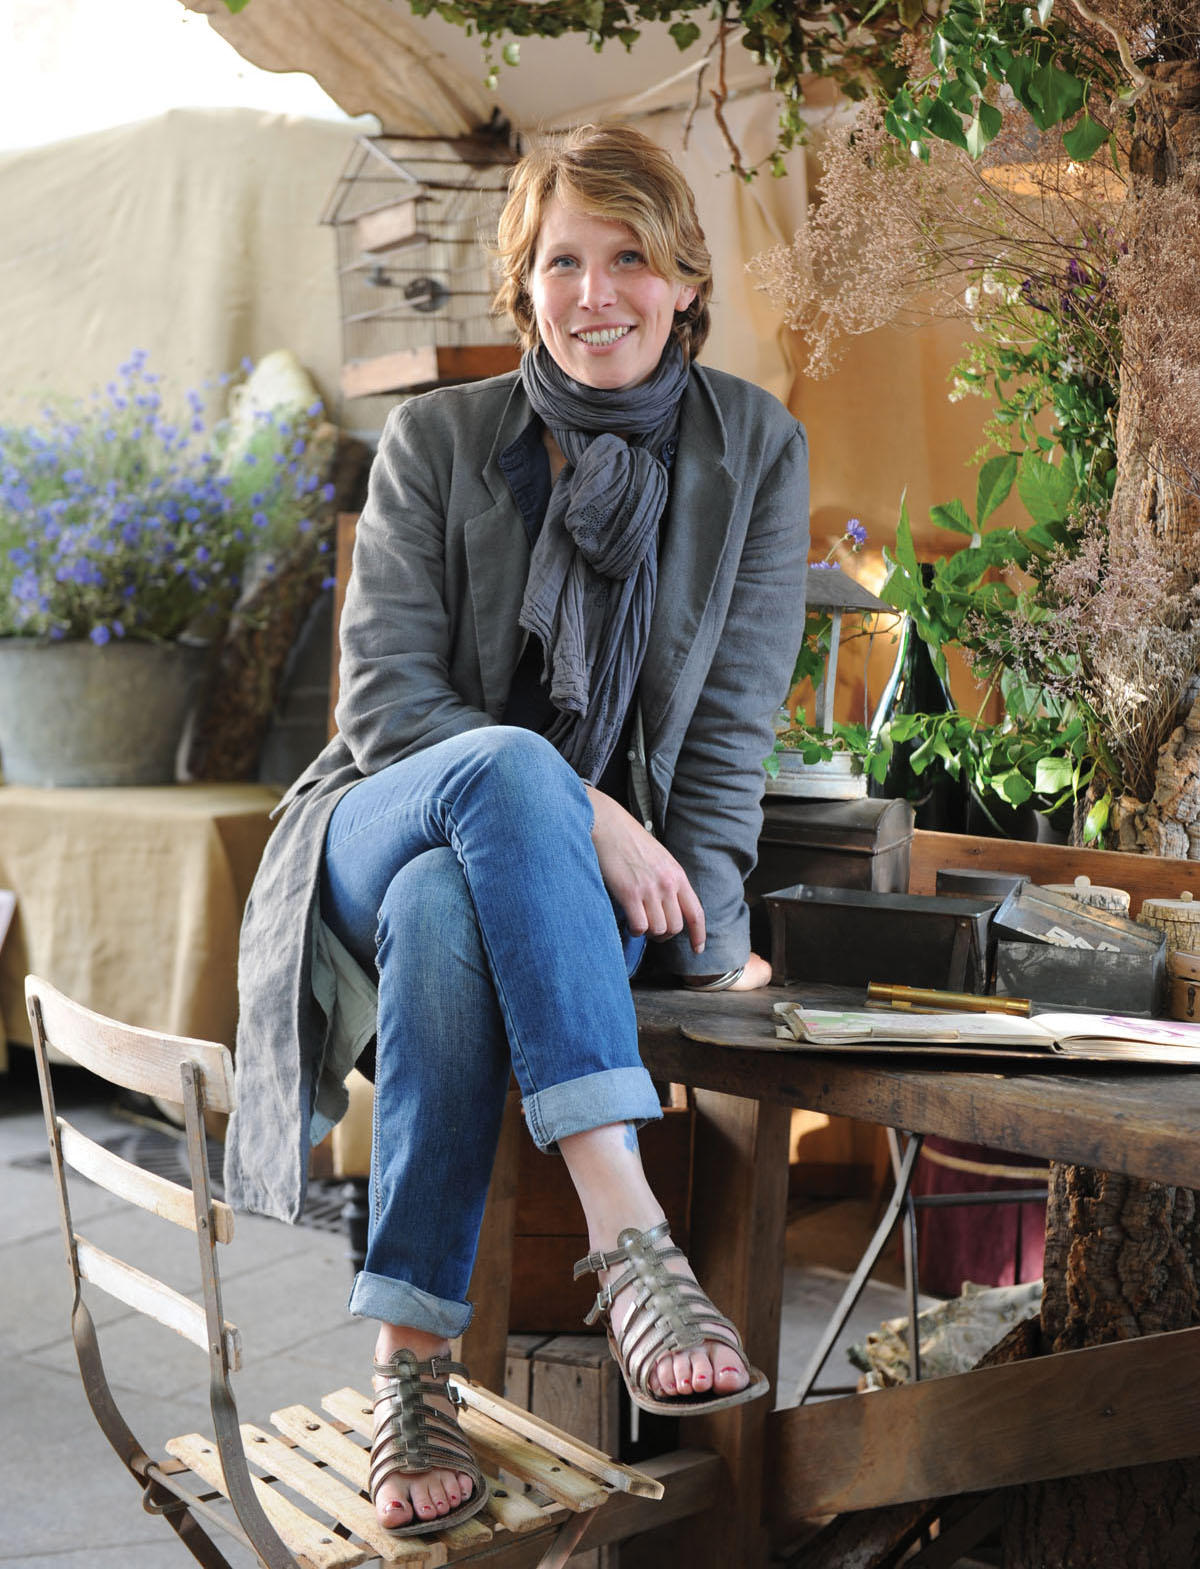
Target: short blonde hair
612 172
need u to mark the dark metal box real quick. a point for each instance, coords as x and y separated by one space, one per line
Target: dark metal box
978 882
848 937
1063 954
837 844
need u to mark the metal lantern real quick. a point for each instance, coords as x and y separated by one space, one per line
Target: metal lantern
415 282
831 589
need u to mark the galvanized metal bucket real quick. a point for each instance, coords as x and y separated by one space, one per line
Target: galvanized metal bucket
72 713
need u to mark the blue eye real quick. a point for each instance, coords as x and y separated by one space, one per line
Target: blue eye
560 261
631 259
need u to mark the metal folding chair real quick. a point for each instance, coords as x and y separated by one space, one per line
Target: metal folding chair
296 1497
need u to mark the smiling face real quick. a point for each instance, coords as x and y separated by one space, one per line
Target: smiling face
603 315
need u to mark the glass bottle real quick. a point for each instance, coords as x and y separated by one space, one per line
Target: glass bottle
914 686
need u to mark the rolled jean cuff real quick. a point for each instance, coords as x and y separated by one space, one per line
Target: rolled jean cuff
596 1099
398 1302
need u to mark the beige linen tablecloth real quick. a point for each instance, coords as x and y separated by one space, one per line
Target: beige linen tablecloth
129 900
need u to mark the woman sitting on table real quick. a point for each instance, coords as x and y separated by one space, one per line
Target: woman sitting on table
576 598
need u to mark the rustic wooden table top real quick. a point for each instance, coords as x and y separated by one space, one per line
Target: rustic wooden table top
1130 1118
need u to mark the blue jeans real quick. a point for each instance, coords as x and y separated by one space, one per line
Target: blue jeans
466 876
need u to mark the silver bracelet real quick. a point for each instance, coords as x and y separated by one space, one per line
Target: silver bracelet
722 982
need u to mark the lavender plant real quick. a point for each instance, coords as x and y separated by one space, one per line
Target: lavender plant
117 521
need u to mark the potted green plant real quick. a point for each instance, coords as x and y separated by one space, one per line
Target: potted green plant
126 537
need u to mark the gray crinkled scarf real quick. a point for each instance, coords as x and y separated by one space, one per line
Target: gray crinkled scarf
594 568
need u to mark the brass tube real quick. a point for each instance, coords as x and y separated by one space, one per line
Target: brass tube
928 1000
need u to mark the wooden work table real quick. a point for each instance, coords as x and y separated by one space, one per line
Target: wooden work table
1084 1410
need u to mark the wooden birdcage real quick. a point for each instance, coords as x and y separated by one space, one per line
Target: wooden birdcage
415 282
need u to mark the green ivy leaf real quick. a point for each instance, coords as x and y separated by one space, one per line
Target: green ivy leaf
977 138
236 5
945 123
1045 491
1053 775
685 34
906 551
995 481
511 52
1012 786
958 94
1096 820
954 516
1082 140
1046 90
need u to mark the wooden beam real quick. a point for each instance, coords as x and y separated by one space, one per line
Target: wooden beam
485 1344
1144 876
739 1215
1128 1403
692 1480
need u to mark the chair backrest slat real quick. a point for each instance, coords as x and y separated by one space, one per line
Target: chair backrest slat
136 1059
150 1296
157 1194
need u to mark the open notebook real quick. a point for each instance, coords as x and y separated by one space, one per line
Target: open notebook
1086 1035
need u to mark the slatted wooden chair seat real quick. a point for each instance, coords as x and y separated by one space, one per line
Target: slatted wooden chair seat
293 1490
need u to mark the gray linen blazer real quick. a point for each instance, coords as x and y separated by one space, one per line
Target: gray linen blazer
429 644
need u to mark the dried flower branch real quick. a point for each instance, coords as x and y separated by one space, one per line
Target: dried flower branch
1114 629
894 239
1160 309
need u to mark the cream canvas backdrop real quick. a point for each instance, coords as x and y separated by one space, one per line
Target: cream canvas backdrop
195 235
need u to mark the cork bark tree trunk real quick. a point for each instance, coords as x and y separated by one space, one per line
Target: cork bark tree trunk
1155 506
1121 1261
1123 1256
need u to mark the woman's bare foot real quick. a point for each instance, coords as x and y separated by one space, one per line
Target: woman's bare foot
606 1169
402 1499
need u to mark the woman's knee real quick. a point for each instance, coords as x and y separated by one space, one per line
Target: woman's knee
427 913
529 781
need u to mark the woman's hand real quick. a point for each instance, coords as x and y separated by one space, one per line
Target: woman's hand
644 878
757 973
